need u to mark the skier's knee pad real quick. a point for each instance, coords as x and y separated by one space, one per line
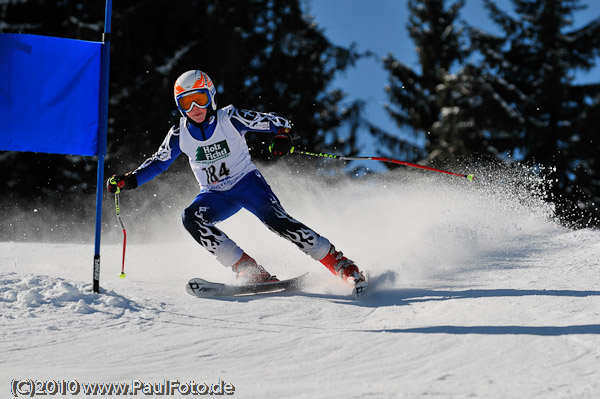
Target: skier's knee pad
277 219
188 217
210 237
203 231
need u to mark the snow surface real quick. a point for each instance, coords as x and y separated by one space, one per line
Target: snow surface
475 292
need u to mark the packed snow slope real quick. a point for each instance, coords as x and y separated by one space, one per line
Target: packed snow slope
475 292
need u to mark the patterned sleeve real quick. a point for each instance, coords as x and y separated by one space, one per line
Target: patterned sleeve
253 121
161 160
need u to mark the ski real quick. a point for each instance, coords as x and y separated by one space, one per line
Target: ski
201 288
360 288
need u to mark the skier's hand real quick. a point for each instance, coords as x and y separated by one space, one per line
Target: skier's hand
282 142
123 182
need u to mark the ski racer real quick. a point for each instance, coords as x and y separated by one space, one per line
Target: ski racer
213 140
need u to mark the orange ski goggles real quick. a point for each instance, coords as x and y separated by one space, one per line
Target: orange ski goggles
200 97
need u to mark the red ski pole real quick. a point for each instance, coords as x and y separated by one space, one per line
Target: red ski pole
118 208
389 160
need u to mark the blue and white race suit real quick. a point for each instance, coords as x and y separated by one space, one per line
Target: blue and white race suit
228 179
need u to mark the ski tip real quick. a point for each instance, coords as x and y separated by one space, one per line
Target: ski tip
359 290
360 287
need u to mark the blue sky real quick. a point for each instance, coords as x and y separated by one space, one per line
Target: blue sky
380 26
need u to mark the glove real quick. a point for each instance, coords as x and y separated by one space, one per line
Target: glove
282 142
123 182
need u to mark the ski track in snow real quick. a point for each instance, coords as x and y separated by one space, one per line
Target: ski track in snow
474 292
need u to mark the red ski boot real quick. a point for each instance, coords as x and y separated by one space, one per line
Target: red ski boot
250 272
338 264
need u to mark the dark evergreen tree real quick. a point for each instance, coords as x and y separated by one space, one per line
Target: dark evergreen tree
421 100
532 108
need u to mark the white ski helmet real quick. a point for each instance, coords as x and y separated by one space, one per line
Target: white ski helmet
195 88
